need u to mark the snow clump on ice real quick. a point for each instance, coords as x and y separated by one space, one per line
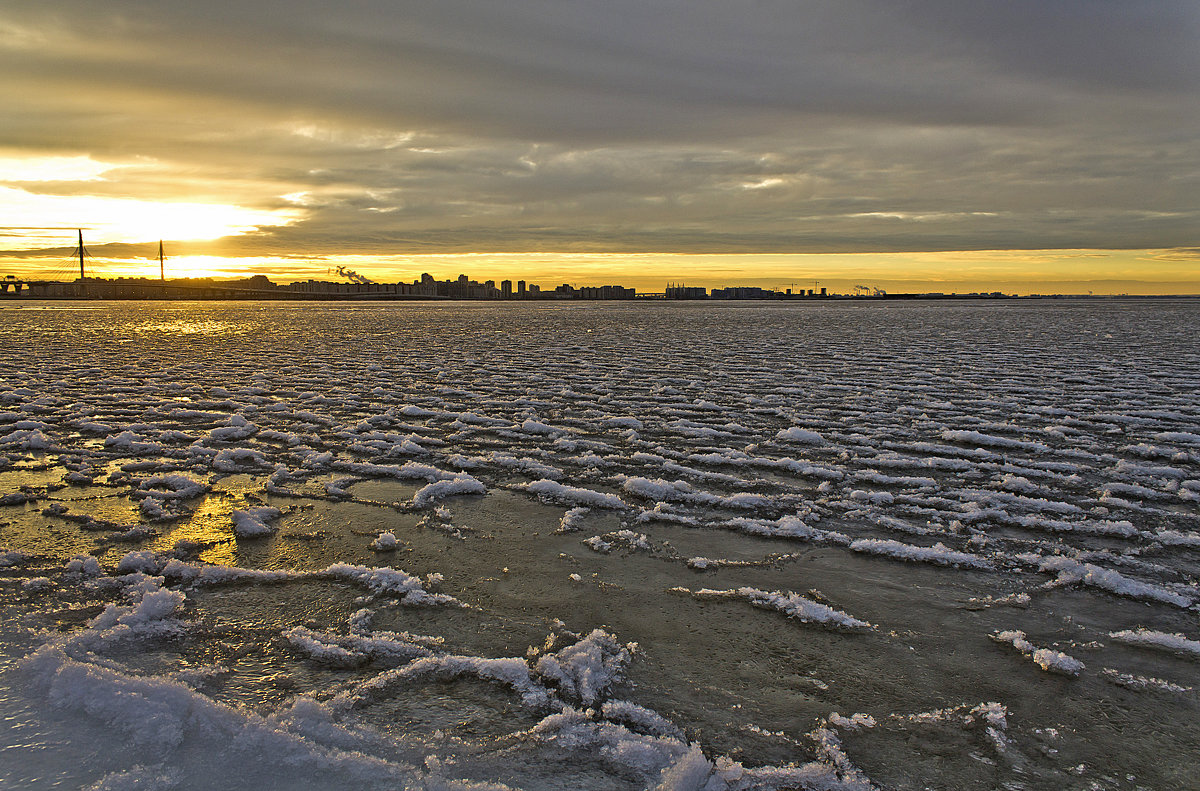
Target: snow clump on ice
1045 658
554 492
386 581
572 520
385 542
938 554
586 669
1153 639
252 522
440 490
790 604
1072 571
800 435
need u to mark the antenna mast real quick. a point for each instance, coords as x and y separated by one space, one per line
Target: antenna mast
162 272
81 254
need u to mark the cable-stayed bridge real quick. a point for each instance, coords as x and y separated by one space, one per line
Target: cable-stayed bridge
74 278
67 276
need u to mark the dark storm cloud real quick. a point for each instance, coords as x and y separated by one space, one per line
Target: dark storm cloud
746 125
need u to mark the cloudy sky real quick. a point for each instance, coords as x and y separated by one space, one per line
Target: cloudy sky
745 141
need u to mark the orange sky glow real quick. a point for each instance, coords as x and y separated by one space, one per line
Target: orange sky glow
1144 272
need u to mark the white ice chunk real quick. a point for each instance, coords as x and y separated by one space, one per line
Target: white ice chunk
939 553
586 669
252 522
1072 571
385 542
1153 639
554 492
1047 659
572 520
393 582
790 604
439 490
800 435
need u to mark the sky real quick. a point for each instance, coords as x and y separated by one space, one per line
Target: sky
923 145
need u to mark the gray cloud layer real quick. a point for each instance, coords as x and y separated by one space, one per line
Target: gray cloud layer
746 125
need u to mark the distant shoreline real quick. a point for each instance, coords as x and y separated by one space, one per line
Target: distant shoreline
247 295
461 289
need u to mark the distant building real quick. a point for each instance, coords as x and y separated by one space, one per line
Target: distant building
685 292
259 282
744 292
606 292
506 291
364 290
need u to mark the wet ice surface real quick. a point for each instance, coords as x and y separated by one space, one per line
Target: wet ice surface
903 546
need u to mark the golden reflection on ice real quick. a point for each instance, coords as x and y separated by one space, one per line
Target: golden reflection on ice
212 525
189 327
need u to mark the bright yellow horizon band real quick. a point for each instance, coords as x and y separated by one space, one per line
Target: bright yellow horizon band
1162 271
45 221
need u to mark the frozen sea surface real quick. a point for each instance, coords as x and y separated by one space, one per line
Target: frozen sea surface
612 546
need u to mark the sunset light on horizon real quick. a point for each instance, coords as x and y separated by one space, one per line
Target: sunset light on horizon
1143 272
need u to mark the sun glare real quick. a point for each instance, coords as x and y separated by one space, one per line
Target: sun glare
128 220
